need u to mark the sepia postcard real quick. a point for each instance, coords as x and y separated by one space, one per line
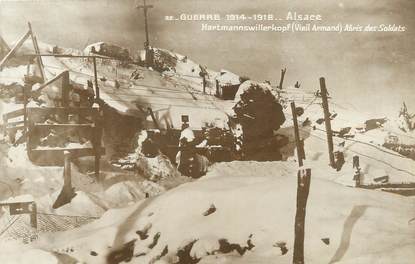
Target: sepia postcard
207 131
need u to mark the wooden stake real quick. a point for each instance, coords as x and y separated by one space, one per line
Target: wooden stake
282 77
298 142
37 51
96 78
204 84
33 215
327 120
67 178
97 138
356 166
156 124
145 8
303 188
65 94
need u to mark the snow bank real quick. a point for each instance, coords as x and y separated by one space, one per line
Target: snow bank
248 206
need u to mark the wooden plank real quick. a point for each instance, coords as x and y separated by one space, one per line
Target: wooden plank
40 61
65 126
300 149
15 123
97 96
62 110
75 152
60 75
13 114
37 51
15 128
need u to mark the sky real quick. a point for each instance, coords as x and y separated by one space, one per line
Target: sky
372 70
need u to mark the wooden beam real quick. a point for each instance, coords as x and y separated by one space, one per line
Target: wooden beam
156 124
75 152
303 188
326 111
14 49
145 8
63 126
39 59
65 94
59 110
96 142
298 142
13 114
37 51
283 71
60 75
96 78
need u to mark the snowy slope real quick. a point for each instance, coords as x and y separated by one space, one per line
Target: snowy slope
361 225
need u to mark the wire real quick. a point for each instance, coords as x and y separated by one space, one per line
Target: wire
10 223
370 157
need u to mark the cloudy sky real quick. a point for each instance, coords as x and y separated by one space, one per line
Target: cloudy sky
374 70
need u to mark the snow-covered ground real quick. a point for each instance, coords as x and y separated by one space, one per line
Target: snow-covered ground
361 226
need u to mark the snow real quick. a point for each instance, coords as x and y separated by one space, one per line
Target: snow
25 198
97 46
12 254
246 85
360 223
253 201
10 75
228 78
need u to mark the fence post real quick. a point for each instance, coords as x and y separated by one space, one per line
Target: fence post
67 178
303 188
282 77
356 166
94 59
298 142
327 120
204 84
33 215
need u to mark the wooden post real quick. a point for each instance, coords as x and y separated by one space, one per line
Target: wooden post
97 137
356 166
204 84
145 8
65 94
298 142
327 120
67 177
26 87
303 188
94 59
282 77
37 52
153 117
33 215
